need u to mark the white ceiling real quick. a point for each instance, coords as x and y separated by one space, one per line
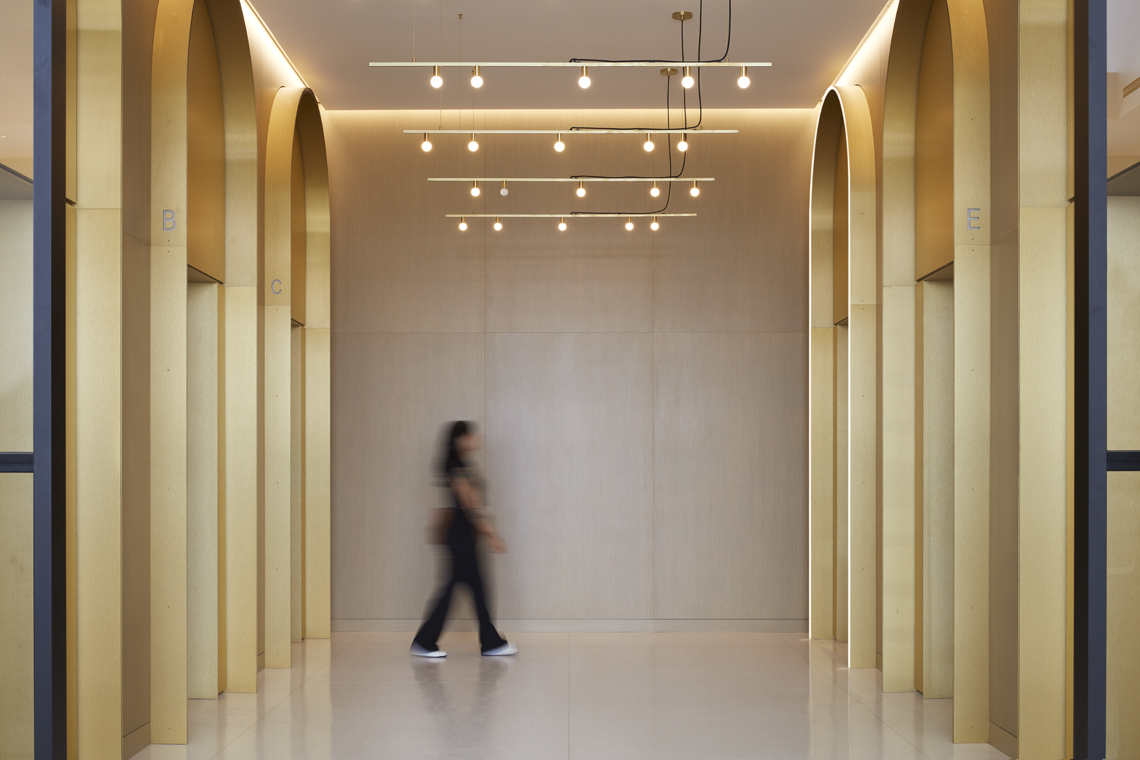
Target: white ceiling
331 43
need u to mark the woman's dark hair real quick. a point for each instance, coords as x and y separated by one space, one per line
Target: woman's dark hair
452 456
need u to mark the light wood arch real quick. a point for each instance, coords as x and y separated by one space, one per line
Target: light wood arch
203 211
844 130
936 212
296 347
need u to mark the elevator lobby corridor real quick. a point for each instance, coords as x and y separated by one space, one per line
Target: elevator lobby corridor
595 695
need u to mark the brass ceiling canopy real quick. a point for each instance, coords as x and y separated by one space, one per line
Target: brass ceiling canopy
668 72
682 15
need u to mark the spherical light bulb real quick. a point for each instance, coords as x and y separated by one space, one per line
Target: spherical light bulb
475 190
472 146
581 191
560 146
436 79
629 226
498 225
694 191
648 145
687 80
655 226
476 80
504 191
683 145
744 81
463 226
562 226
655 191
584 80
426 145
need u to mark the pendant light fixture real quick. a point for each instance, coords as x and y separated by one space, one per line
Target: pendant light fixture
683 144
655 226
629 224
426 144
472 146
498 225
744 81
655 191
463 224
475 189
476 80
559 146
504 192
687 80
584 80
648 143
436 79
581 191
562 224
694 191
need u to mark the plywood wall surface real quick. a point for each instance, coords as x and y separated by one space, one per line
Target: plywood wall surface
643 395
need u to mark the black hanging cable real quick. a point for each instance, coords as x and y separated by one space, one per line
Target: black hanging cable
722 59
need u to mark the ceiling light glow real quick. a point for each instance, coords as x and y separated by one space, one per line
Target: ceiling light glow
581 191
475 189
629 224
436 79
683 145
426 144
472 146
498 225
476 80
655 226
463 225
655 191
744 81
560 146
562 224
584 80
687 80
648 144
695 191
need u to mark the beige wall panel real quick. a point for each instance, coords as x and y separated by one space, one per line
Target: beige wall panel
297 257
1043 103
841 235
318 306
898 488
570 417
755 277
136 496
937 497
1044 514
98 277
971 493
168 495
99 105
554 290
842 490
822 492
278 478
202 492
16 662
1123 689
822 211
1005 399
720 397
138 22
862 481
297 479
318 479
241 488
205 151
16 316
385 483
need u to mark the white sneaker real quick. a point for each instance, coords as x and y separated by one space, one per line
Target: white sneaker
419 651
505 649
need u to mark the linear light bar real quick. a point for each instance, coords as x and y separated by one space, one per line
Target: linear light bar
576 214
571 179
556 64
580 131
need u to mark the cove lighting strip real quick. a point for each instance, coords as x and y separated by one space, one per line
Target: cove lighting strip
573 179
572 131
575 214
559 64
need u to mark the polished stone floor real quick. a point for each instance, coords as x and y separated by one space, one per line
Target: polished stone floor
621 695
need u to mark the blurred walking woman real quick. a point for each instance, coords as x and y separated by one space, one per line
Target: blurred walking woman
459 526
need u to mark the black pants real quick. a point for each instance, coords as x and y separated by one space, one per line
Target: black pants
464 569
